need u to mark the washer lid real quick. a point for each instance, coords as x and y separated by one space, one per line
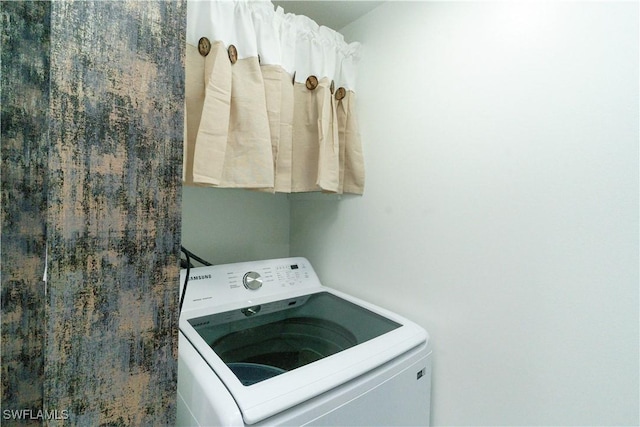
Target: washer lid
273 355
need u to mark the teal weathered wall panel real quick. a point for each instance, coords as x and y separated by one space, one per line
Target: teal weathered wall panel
112 214
25 101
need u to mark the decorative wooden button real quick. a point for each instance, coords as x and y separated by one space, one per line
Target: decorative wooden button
204 46
312 82
341 93
233 54
332 87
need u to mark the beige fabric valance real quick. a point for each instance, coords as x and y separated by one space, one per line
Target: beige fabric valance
270 101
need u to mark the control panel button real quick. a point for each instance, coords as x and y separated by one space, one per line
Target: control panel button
252 280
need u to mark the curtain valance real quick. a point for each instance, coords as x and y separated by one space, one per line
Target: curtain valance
269 101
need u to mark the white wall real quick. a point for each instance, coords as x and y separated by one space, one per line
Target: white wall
501 208
228 225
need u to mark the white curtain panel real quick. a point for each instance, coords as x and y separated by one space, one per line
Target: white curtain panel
270 101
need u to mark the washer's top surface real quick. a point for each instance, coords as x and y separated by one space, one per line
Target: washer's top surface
284 335
276 337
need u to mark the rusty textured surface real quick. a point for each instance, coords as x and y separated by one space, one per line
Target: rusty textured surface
115 126
25 81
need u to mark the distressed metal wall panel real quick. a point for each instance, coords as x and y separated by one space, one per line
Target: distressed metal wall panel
117 96
24 84
92 117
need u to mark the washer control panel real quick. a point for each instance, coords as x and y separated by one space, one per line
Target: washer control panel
228 283
278 275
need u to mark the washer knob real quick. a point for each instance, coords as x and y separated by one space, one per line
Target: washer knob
252 281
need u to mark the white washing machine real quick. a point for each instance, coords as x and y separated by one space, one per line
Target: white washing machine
264 343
